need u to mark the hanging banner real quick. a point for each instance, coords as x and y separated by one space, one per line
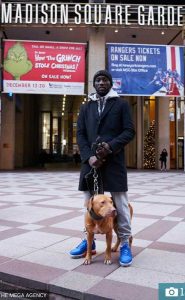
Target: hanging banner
43 67
147 70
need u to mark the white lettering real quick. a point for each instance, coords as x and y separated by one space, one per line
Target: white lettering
63 57
6 13
64 14
87 14
97 14
141 58
171 13
36 13
127 14
118 14
150 15
179 16
44 20
18 14
108 17
161 20
141 16
78 19
53 14
29 14
42 65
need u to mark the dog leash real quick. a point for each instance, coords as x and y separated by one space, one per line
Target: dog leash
95 192
95 177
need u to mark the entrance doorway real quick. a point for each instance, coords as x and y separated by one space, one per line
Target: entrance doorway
46 127
54 136
58 119
58 124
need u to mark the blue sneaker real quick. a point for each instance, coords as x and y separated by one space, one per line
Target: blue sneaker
81 249
125 258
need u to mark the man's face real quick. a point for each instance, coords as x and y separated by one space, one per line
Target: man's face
102 85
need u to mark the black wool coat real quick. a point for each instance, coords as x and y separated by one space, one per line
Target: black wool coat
115 127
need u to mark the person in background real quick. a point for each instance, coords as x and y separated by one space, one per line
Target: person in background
163 159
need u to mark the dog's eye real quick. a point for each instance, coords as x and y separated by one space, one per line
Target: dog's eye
103 202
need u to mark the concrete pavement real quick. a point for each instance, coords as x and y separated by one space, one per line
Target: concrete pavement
41 219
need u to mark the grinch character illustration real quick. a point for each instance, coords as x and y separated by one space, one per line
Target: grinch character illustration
17 62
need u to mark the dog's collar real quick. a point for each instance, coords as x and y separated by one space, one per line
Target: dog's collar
94 215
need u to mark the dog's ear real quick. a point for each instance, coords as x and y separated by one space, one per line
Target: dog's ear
90 203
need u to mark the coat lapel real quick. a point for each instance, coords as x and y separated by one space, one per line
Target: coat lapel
94 109
108 106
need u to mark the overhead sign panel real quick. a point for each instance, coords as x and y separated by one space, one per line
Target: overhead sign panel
43 67
147 69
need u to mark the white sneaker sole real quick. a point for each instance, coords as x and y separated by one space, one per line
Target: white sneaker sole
82 255
125 264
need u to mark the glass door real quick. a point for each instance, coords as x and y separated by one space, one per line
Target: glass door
51 134
46 132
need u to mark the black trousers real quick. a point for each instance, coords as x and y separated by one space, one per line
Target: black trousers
163 162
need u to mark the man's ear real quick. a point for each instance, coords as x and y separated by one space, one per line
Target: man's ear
90 203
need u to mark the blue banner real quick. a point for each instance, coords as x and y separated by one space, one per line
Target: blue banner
147 70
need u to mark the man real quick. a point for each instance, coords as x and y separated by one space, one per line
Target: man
106 118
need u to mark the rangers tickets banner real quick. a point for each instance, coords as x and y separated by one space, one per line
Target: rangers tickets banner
43 67
147 69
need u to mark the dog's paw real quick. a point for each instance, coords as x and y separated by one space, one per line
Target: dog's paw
107 262
87 262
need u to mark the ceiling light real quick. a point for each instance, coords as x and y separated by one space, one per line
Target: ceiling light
162 32
71 29
116 30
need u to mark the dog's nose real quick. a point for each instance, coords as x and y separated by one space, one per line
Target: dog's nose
113 212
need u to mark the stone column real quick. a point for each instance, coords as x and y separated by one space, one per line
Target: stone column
163 129
1 47
7 142
96 57
139 132
183 38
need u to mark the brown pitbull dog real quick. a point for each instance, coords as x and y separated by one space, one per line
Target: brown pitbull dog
101 218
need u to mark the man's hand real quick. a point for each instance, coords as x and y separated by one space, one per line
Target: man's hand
103 150
95 162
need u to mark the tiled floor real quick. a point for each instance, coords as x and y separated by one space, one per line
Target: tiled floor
41 219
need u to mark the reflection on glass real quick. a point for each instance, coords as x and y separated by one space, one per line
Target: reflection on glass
46 131
55 135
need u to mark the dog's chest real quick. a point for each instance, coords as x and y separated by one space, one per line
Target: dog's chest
103 228
98 229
